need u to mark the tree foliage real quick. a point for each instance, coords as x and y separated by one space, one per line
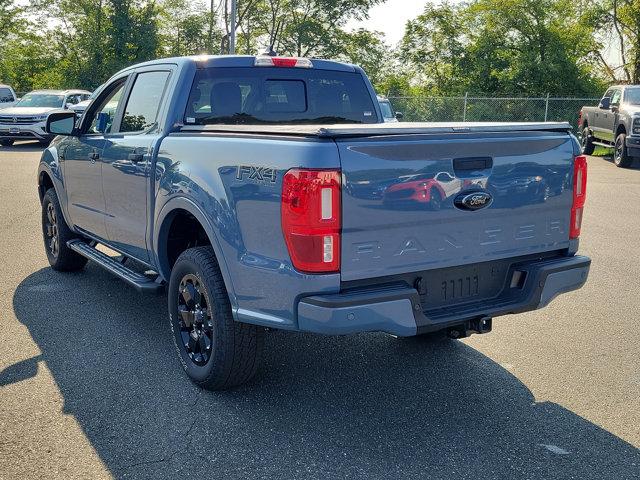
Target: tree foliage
497 47
506 47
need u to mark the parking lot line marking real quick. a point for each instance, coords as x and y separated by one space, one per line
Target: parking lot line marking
554 449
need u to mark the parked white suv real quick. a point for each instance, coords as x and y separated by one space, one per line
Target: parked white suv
26 120
7 96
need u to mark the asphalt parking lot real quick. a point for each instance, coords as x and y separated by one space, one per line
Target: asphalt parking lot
90 388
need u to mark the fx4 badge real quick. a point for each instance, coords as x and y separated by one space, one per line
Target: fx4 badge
473 201
257 173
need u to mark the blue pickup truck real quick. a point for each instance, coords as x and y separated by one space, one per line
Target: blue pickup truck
267 193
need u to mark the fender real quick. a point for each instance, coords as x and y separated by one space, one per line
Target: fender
50 165
184 203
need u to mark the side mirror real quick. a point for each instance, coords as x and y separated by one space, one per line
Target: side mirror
399 115
605 103
61 123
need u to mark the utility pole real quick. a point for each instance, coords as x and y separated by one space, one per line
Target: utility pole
234 17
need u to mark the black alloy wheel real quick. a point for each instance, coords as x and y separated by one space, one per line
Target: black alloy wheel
51 231
195 320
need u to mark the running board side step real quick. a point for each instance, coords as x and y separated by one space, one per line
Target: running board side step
603 144
135 279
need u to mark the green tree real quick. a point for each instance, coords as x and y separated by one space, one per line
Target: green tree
618 20
504 47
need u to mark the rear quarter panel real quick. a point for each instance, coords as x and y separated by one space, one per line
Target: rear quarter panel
235 182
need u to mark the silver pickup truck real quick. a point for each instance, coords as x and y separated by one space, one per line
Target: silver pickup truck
614 123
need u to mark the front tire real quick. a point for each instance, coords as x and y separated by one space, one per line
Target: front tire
216 352
587 142
621 156
56 234
6 142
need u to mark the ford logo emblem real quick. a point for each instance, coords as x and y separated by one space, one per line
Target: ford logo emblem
473 200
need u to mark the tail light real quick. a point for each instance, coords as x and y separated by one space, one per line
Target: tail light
311 219
579 118
579 194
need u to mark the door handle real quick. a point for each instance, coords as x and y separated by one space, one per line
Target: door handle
93 156
136 157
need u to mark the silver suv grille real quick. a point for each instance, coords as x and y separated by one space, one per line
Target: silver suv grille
16 120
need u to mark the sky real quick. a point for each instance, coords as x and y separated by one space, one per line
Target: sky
391 17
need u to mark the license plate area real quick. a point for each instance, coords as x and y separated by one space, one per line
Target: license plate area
456 285
442 289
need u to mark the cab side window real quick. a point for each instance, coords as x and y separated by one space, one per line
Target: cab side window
143 105
103 117
615 97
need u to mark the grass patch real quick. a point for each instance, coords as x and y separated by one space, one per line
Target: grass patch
602 151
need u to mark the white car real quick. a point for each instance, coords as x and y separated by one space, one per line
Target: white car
7 96
27 118
79 108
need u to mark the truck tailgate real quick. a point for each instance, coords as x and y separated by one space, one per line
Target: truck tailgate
400 194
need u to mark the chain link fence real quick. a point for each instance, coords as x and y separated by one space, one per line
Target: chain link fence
491 109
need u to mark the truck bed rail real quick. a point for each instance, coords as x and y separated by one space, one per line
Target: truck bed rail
376 130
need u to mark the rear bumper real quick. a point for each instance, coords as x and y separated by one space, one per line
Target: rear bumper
397 309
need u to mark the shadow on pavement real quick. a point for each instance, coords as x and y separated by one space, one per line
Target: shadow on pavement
364 406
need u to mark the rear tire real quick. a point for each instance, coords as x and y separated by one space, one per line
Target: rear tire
621 156
587 142
216 352
6 142
56 234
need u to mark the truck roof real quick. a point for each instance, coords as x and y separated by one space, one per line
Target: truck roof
207 61
60 92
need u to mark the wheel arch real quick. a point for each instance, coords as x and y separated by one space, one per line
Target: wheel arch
621 128
45 182
171 211
50 176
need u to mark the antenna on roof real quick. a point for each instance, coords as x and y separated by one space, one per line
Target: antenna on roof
234 18
270 52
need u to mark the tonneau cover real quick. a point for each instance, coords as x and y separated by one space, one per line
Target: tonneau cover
380 129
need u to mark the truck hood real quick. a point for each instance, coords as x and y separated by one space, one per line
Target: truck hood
632 109
31 111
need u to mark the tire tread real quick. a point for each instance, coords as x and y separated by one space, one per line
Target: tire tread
68 260
238 347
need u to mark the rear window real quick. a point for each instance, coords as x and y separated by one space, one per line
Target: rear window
246 96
